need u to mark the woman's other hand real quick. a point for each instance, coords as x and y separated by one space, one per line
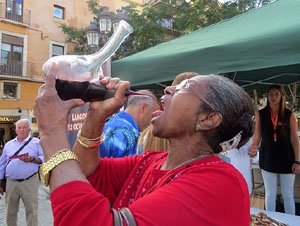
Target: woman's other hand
253 150
296 168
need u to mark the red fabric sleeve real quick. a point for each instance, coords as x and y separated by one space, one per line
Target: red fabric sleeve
77 203
197 199
111 174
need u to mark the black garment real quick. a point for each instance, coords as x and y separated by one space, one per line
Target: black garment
2 132
12 132
275 157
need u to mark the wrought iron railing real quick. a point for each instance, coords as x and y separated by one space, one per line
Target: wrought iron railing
24 18
10 67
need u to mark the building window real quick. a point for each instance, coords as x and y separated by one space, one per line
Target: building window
11 61
58 12
57 50
10 90
14 10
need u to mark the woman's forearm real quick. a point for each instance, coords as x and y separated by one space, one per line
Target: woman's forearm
256 137
89 157
295 145
294 136
51 145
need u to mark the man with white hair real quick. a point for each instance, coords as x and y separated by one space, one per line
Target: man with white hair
123 130
19 163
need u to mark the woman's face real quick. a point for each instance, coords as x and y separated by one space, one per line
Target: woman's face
181 108
274 96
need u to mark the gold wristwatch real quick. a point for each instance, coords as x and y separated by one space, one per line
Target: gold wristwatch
56 159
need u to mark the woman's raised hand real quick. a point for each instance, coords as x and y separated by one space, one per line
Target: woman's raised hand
51 112
106 108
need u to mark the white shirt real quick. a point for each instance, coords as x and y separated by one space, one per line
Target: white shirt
18 169
240 159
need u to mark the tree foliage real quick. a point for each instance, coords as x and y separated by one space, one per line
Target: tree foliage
164 20
94 7
77 37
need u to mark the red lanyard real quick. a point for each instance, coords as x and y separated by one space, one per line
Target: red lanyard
274 121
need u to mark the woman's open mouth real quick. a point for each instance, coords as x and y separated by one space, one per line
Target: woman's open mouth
156 115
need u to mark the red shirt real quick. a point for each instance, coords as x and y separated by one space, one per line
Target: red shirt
206 192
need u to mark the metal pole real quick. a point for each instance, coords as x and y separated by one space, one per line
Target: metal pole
255 100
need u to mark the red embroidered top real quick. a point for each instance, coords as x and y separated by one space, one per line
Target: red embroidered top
205 192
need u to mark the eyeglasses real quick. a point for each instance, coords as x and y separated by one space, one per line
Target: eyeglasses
187 85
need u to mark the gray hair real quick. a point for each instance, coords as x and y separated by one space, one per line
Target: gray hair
137 100
22 120
236 107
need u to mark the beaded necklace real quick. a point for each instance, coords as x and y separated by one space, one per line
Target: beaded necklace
167 173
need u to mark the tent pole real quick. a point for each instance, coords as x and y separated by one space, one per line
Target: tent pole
255 100
294 93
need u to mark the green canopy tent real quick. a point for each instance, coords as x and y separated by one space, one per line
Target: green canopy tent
255 49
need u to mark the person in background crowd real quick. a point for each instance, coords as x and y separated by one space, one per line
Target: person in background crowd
276 128
186 186
149 142
2 133
12 132
123 130
21 172
240 159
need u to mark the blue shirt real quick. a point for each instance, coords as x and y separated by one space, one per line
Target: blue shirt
18 169
121 136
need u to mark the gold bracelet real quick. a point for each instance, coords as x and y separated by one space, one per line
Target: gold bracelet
90 143
55 160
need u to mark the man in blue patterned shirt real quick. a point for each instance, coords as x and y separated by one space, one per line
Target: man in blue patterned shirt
123 130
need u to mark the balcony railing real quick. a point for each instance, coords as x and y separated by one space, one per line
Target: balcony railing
16 68
24 18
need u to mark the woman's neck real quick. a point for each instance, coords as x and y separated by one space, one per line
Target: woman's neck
274 108
185 149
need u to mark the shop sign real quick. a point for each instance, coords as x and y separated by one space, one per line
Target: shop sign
6 119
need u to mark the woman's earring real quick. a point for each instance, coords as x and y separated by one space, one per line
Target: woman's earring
198 128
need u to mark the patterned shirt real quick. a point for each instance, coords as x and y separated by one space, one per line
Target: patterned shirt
121 136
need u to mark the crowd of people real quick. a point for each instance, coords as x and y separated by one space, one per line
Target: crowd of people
191 160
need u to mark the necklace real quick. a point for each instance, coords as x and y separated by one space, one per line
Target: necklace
167 173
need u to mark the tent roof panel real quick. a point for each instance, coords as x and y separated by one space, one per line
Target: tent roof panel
248 44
